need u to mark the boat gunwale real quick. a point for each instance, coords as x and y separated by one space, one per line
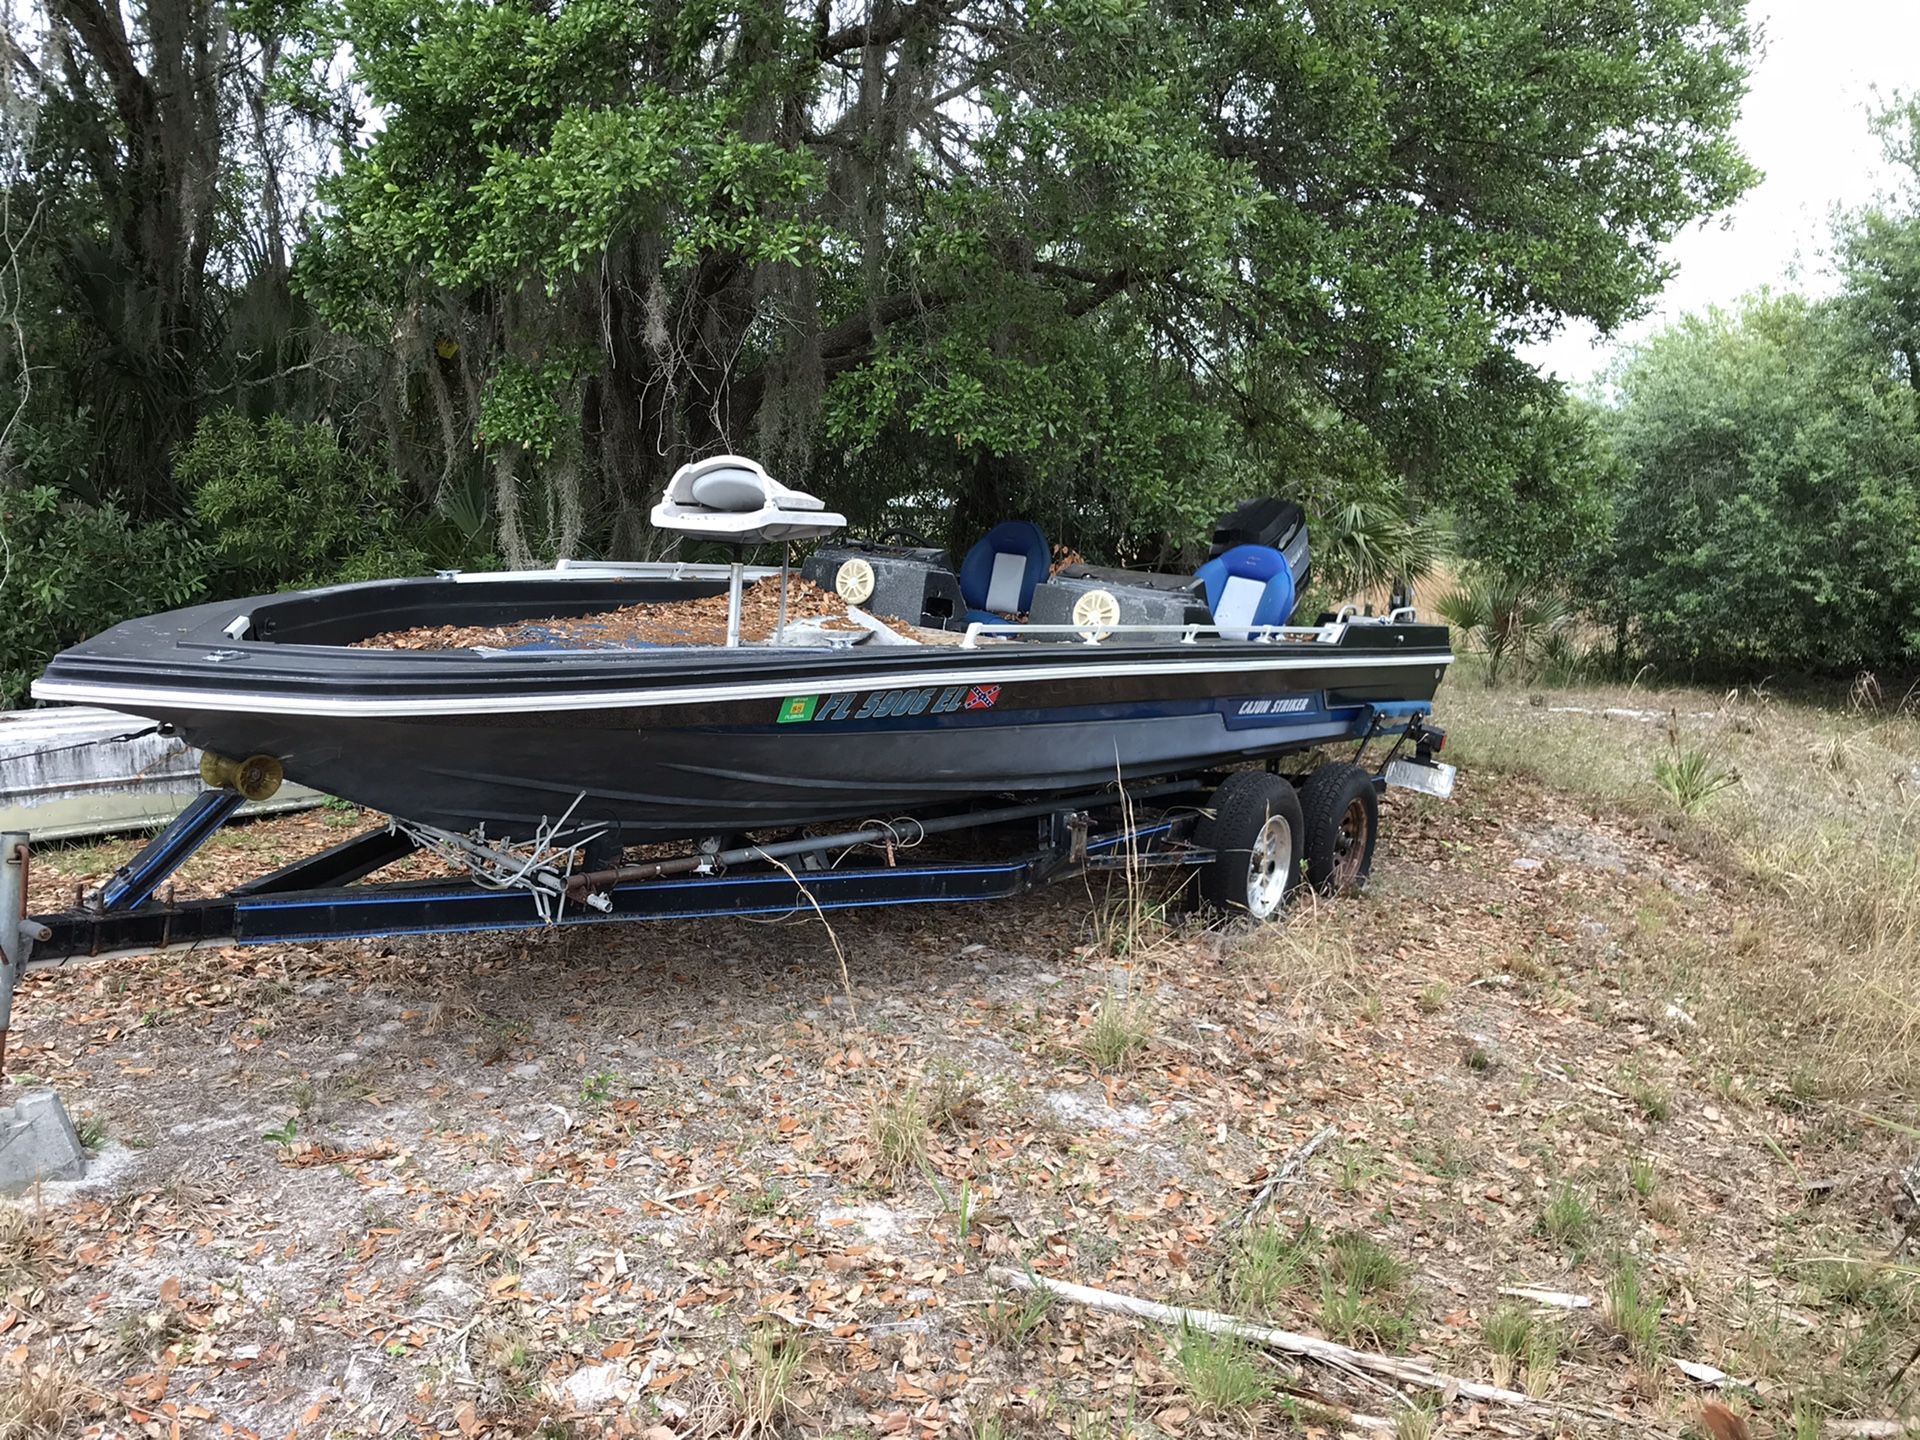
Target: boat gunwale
988 668
188 659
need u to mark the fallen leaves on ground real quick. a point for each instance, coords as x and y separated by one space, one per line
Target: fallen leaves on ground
616 1176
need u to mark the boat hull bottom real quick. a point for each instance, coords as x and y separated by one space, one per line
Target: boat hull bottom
652 784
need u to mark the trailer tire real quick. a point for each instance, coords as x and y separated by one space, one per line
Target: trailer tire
1256 834
1342 810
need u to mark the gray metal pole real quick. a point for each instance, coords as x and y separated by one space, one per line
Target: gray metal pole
786 561
733 602
17 933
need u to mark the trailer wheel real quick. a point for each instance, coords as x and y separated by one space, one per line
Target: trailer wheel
1256 833
1343 825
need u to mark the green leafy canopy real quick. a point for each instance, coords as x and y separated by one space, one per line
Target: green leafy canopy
1107 262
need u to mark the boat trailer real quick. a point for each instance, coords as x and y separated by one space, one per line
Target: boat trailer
327 896
578 877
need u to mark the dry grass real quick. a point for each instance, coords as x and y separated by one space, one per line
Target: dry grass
1312 956
900 1130
1269 1264
953 1099
506 1361
25 1239
1521 1347
1131 919
1120 1030
1415 1421
763 1378
40 1403
1012 1317
1221 1373
1632 1310
1824 825
1568 1220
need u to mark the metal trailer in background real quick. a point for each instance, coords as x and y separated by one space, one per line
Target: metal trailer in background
72 771
18 933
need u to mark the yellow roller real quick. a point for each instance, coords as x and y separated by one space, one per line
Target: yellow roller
854 581
257 777
215 770
1094 609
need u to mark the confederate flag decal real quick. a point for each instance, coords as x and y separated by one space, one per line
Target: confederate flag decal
981 697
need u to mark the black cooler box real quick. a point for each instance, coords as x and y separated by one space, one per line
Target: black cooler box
1144 598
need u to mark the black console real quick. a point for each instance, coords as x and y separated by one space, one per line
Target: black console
913 583
1141 597
1277 524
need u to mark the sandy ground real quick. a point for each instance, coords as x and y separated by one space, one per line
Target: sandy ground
671 1180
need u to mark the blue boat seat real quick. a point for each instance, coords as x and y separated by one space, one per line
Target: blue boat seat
1247 587
998 576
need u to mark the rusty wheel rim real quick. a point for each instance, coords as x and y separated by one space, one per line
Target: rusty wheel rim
1350 844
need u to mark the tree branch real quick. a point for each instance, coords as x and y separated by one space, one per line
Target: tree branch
106 40
15 56
844 347
1102 285
1405 1370
895 27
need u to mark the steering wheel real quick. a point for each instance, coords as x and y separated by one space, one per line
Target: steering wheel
911 537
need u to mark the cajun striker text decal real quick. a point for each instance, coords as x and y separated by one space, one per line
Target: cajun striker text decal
1282 705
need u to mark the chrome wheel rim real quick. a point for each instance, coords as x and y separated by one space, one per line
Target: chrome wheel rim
1269 859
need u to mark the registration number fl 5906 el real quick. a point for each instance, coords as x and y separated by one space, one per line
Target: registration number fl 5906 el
1434 779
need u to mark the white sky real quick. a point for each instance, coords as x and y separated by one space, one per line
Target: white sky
1804 125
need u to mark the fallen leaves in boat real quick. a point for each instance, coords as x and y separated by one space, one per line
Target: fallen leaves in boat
661 622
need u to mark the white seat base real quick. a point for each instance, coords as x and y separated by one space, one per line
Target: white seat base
731 498
1239 598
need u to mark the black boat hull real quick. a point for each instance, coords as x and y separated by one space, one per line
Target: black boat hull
679 743
658 782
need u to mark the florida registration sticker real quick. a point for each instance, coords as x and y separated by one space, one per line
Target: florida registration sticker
886 704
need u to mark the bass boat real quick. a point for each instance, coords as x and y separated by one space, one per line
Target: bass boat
669 701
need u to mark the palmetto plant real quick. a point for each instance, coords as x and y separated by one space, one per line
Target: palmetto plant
1365 545
1690 776
1505 618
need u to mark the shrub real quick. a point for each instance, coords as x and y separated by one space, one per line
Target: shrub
69 570
1512 623
1367 543
1690 776
1772 495
279 504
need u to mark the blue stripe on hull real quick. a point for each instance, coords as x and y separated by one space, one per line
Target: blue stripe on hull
1303 710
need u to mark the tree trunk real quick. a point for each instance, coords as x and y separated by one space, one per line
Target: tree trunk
161 188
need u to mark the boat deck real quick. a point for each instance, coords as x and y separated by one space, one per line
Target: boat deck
647 625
